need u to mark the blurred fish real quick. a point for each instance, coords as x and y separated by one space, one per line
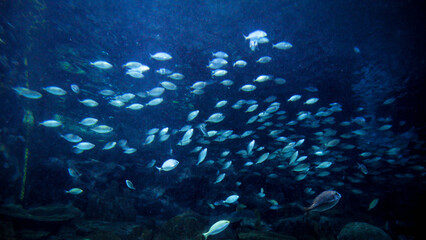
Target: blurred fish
28 93
55 90
73 173
74 191
373 204
130 184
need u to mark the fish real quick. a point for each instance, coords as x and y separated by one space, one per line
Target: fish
109 145
229 200
325 164
149 139
220 178
106 92
168 85
215 118
132 65
256 35
221 104
73 173
324 201
262 158
261 194
134 73
156 92
168 165
84 146
311 101
265 59
70 137
282 45
248 88
55 90
373 204
219 73
161 56
51 123
101 64
294 98
135 106
102 129
220 54
74 191
89 121
192 115
130 184
202 155
240 63
163 71
75 88
280 81
28 93
155 102
262 78
176 76
216 228
116 103
89 103
227 82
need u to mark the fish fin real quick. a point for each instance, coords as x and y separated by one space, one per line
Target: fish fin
205 235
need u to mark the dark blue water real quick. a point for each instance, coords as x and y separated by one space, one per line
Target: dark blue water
365 58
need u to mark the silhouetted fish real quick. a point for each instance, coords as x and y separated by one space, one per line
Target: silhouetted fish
324 201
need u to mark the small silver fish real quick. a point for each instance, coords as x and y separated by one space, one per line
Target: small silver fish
130 184
74 173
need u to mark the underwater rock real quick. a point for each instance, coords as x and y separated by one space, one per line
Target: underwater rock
259 235
48 213
6 231
32 234
112 204
361 231
185 226
103 235
122 230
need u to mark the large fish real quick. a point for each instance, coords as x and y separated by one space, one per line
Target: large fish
324 201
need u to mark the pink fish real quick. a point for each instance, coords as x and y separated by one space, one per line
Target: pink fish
324 201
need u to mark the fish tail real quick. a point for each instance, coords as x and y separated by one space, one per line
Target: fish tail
159 169
245 37
205 235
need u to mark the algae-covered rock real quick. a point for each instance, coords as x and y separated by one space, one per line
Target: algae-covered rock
260 235
362 231
48 213
184 226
